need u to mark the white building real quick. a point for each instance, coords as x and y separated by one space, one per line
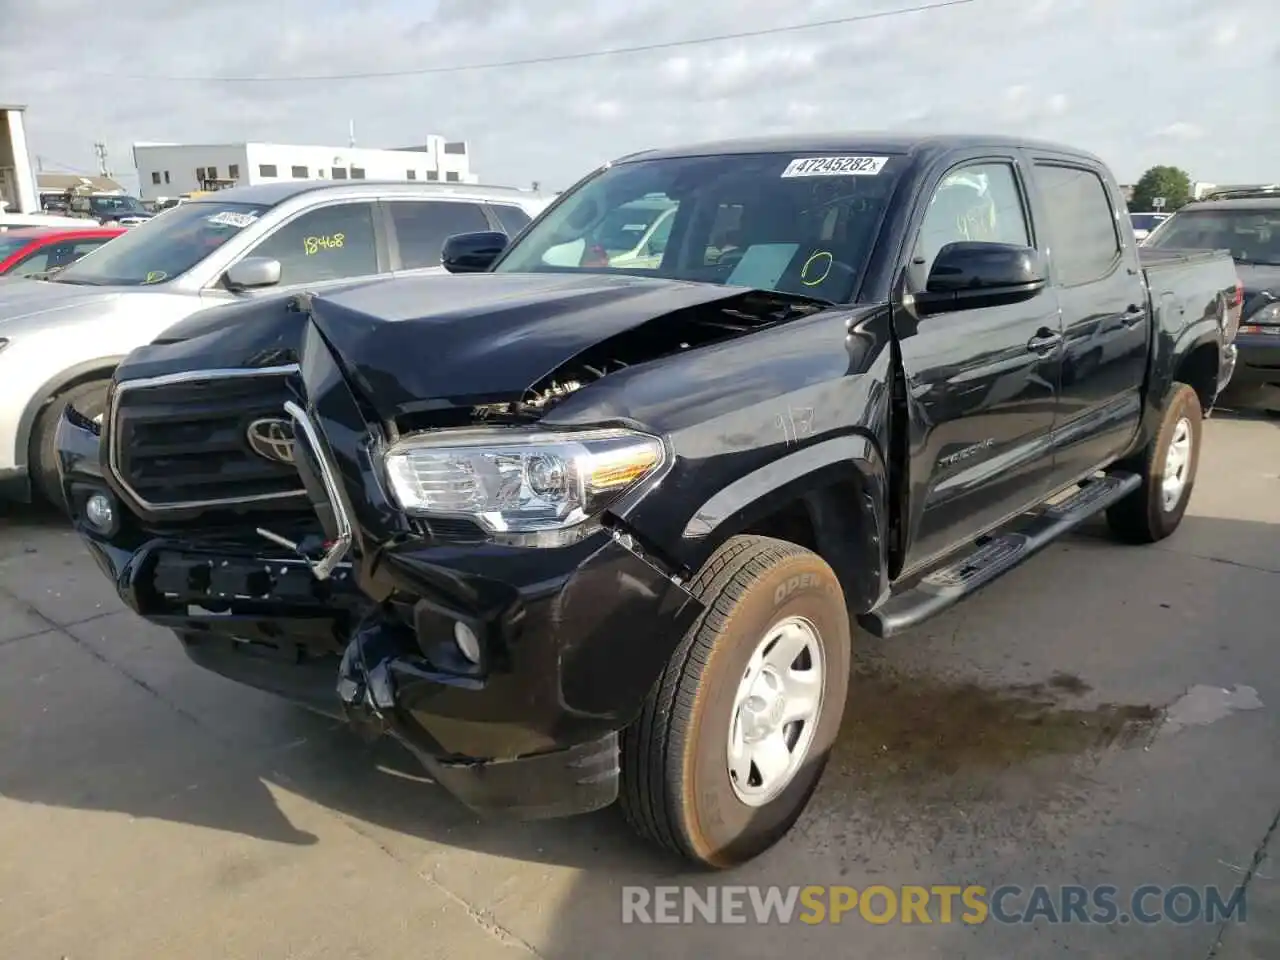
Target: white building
171 169
17 178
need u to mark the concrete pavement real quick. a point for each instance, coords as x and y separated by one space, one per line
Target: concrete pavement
148 809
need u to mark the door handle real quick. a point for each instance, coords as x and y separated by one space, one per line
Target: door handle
1044 341
1133 316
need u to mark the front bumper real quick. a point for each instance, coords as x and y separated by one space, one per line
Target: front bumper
572 639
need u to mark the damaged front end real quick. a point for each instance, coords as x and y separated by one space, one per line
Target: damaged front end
473 592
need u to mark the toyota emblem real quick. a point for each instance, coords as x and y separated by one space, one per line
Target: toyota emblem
272 439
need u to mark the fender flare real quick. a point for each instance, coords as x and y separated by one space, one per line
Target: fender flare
101 368
850 532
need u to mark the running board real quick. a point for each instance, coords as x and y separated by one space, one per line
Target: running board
994 556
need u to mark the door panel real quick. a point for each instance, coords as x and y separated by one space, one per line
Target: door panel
982 394
1106 329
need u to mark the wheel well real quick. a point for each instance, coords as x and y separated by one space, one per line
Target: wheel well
65 381
1199 371
835 521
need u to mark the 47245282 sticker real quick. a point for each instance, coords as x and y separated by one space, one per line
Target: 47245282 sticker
230 218
835 166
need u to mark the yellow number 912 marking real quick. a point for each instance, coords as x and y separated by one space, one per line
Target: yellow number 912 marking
313 245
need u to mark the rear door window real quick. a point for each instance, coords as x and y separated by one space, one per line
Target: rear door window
334 242
422 226
1084 244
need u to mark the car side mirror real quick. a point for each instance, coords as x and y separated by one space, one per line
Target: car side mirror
473 252
252 272
969 274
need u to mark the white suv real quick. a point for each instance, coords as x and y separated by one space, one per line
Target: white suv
61 339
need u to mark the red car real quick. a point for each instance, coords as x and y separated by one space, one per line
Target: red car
28 250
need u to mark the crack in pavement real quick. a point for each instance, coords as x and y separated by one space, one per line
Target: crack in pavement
1259 855
1223 560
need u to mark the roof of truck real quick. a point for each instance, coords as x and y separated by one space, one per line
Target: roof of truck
868 142
270 194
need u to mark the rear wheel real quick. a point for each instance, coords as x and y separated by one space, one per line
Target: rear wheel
90 399
1168 469
733 740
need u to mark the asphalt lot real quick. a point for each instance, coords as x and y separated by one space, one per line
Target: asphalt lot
1042 733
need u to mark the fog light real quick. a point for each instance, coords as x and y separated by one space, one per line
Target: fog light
467 641
99 511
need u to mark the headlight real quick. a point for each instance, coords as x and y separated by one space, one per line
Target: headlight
1268 315
519 481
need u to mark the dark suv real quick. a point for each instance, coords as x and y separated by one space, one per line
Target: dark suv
1246 222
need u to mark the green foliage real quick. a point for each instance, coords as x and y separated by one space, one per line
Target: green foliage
1169 182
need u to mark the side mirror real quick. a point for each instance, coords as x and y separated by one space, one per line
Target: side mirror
970 274
472 252
253 272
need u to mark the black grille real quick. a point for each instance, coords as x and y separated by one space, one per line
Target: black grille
187 442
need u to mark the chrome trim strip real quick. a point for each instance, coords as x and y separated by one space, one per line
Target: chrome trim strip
189 376
323 567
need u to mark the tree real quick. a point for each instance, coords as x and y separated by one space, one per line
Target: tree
1169 182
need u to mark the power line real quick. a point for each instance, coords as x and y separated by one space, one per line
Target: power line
559 58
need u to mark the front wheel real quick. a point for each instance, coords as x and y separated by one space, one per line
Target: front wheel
89 399
1168 469
733 739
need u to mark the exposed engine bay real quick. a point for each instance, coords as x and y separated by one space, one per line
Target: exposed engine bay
672 333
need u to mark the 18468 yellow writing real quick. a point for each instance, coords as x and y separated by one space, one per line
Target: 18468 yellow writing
313 245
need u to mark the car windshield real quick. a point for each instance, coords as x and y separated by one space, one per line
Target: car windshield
115 205
164 247
1252 235
11 245
797 224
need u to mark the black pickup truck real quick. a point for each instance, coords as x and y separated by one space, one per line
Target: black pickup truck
578 525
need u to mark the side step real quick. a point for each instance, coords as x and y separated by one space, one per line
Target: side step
995 555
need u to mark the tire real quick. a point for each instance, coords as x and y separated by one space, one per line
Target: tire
90 398
677 790
1145 516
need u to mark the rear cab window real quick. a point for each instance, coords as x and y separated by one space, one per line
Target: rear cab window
801 224
1084 244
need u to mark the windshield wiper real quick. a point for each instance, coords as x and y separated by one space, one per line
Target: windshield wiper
1257 263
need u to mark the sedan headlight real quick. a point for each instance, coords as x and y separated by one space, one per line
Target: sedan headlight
516 480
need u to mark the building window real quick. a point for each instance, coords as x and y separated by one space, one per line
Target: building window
266 169
456 147
339 173
199 173
233 171
433 175
213 173
155 177
411 174
357 173
166 176
299 173
452 176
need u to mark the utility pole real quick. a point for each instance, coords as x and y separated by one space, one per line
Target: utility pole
100 151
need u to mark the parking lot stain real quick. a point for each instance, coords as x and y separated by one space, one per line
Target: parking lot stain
902 728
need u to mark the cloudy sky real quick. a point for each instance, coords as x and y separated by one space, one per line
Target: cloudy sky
1138 81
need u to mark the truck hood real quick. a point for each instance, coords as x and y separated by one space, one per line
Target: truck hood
431 343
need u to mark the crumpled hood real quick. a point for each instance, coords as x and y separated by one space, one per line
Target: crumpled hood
22 298
440 341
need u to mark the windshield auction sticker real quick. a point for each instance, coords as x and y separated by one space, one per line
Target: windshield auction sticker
835 166
229 218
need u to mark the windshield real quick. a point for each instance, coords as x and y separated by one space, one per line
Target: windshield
163 247
1252 236
115 205
796 224
11 245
